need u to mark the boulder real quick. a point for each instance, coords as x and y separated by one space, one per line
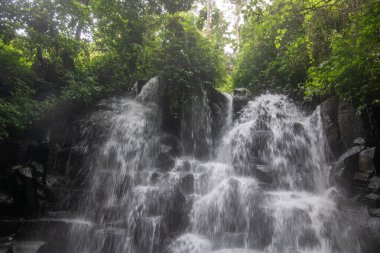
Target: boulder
151 92
170 145
6 201
165 161
137 87
155 177
25 194
365 227
39 153
26 246
359 142
329 115
23 172
175 212
374 184
218 103
374 212
350 125
366 159
196 131
37 168
361 179
242 92
263 174
373 200
186 184
240 99
345 167
376 160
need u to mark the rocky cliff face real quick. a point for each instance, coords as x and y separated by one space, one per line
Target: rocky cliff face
41 167
355 169
41 179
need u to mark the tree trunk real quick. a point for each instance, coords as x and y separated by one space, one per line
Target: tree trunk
208 18
80 25
237 24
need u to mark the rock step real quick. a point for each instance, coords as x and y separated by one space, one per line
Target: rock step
361 178
374 184
26 246
374 212
373 200
41 229
21 246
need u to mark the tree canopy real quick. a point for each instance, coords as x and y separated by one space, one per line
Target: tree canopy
312 48
54 51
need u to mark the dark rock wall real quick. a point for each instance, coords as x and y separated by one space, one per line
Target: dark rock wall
40 169
329 114
355 171
34 164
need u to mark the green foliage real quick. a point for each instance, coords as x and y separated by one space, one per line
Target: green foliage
53 52
186 56
174 6
17 106
312 48
353 69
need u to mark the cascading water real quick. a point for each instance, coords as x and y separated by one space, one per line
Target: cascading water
265 190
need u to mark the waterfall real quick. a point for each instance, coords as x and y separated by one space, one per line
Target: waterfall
264 190
229 115
267 188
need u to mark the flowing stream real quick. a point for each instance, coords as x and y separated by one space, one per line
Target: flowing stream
264 189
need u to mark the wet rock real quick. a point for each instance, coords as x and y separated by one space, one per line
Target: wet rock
151 92
298 128
196 134
154 177
165 161
374 184
240 99
345 167
376 160
186 184
361 178
374 212
373 200
263 174
364 226
183 165
10 152
190 243
308 239
350 125
170 145
260 146
242 92
39 153
55 181
25 193
359 142
112 237
175 212
67 197
6 244
218 104
23 172
329 115
137 87
38 169
6 202
366 159
27 246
